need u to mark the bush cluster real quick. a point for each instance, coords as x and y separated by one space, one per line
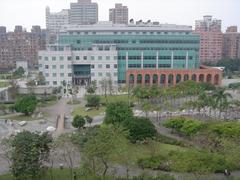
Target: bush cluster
187 127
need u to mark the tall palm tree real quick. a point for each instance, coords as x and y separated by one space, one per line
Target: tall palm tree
221 97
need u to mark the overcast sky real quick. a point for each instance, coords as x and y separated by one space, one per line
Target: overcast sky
32 12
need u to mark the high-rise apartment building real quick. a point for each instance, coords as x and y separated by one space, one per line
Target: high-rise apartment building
119 14
210 39
54 21
231 43
21 45
83 12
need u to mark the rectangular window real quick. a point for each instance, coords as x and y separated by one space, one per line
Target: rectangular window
54 82
46 58
100 66
46 75
54 74
92 74
69 58
92 66
85 57
99 57
40 65
54 66
77 58
92 58
107 57
115 57
69 66
61 58
69 74
54 58
100 74
39 57
108 74
61 74
108 66
61 66
115 74
115 66
46 67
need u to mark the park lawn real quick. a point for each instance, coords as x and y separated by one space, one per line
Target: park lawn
47 103
117 98
4 84
134 152
93 112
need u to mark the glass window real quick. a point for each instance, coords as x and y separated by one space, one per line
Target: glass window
61 74
61 58
92 74
115 74
92 66
92 58
54 74
69 66
46 58
40 65
54 82
69 74
69 58
115 66
99 57
107 57
77 58
108 66
100 66
46 74
115 58
61 66
85 57
46 67
54 58
39 57
54 66
100 74
108 74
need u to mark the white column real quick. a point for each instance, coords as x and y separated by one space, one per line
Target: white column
157 60
187 60
172 60
142 60
126 60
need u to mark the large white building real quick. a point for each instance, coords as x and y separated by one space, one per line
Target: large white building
83 12
60 63
55 21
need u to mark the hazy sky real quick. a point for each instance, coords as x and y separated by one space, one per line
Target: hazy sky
32 12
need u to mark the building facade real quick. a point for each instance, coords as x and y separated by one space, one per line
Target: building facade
54 21
147 47
21 45
210 39
231 43
119 14
62 64
83 12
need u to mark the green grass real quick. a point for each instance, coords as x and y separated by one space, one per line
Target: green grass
47 103
4 84
116 98
93 112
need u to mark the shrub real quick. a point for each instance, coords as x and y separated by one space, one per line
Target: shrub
93 101
155 163
78 122
140 129
187 127
26 105
117 113
226 129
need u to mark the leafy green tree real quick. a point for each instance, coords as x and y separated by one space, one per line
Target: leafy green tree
101 146
78 122
28 154
117 113
26 105
140 129
92 88
18 73
41 79
93 101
